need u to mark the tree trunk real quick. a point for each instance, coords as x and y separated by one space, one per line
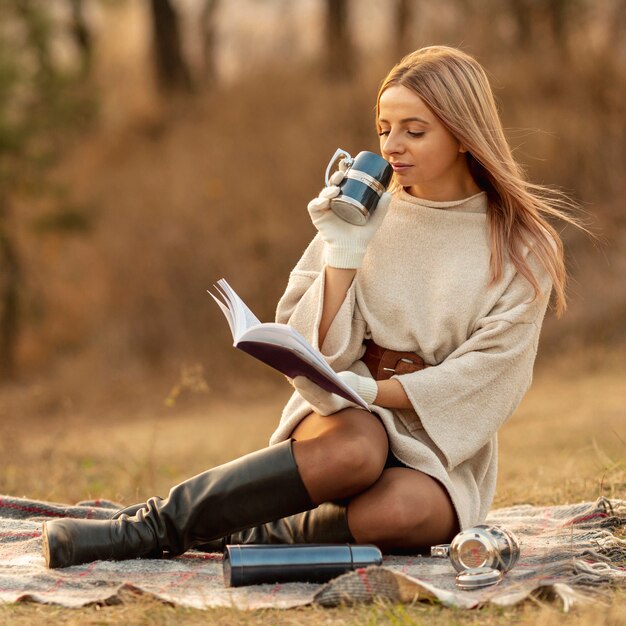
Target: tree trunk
171 69
82 34
9 299
208 37
339 50
524 16
403 23
559 15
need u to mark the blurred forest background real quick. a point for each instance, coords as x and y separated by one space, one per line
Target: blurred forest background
150 147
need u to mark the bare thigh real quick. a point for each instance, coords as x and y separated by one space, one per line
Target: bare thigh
339 455
404 509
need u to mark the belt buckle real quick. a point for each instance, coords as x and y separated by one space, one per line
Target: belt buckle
393 371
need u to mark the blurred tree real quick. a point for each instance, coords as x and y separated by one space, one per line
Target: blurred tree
559 15
340 57
9 295
403 24
554 17
618 20
38 105
81 33
171 68
208 38
523 14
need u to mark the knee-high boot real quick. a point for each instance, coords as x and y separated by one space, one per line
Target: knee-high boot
254 489
327 523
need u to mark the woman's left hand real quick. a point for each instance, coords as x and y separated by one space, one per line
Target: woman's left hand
326 403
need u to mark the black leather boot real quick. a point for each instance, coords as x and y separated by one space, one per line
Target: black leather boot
257 488
327 523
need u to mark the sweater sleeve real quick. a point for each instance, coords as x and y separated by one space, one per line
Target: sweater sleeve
464 400
301 307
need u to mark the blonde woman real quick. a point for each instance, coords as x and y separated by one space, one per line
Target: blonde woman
431 312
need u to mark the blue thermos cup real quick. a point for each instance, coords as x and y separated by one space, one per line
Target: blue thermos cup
254 564
366 179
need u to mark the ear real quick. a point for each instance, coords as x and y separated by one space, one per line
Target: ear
462 148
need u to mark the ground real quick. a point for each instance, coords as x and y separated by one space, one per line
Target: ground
565 443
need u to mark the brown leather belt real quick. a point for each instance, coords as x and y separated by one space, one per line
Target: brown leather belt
383 363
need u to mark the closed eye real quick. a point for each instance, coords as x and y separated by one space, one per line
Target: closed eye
421 133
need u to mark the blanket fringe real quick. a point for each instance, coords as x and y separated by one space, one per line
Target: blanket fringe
598 573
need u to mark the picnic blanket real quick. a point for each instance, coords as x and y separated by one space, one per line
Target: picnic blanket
571 552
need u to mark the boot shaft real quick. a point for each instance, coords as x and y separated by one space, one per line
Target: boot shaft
257 488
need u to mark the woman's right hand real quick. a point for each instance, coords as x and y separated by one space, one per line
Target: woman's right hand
345 243
325 403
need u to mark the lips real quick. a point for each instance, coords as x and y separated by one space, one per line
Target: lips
400 167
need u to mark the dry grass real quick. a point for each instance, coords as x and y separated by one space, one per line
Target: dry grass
143 610
566 443
567 440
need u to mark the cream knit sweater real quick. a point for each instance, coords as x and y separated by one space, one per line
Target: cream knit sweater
424 287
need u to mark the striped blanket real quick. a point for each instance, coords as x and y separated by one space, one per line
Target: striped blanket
570 552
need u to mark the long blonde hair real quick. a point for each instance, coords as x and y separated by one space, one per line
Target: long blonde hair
457 90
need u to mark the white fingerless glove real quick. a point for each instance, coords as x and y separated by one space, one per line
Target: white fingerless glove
345 243
325 403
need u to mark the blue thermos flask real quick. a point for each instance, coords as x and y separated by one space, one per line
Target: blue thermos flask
254 564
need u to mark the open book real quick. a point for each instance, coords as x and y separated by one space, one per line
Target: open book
279 345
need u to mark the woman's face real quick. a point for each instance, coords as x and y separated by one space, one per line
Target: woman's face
426 158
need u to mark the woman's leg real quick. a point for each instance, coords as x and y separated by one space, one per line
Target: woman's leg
404 510
335 456
339 455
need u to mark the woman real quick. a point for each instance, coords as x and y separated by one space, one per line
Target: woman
448 282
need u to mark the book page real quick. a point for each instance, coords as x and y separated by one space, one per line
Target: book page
225 310
236 311
244 317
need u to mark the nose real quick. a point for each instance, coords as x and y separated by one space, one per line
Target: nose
391 144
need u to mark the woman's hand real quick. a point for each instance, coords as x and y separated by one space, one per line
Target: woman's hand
345 243
326 403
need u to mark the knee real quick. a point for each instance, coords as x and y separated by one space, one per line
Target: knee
412 522
402 517
407 519
403 510
357 461
340 455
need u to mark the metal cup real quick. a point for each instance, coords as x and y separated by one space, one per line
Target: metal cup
484 546
365 181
